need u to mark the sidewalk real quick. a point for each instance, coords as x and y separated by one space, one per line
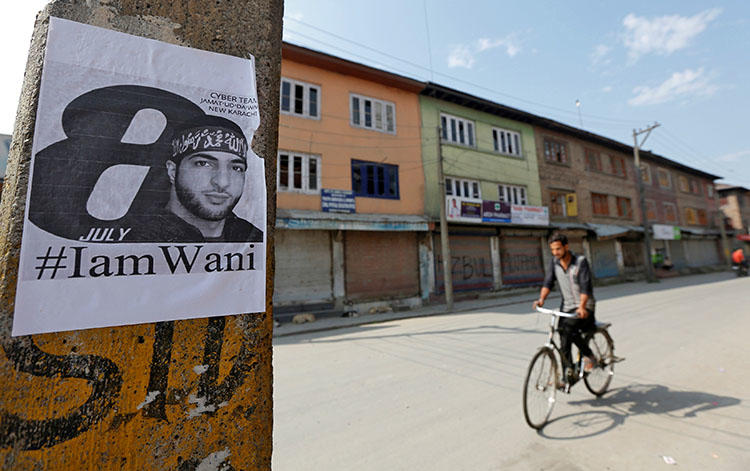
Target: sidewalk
499 299
489 300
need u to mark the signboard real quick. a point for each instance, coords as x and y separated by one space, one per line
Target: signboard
463 209
529 215
744 237
146 202
666 232
495 211
337 201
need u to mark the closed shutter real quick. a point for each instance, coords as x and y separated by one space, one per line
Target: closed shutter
702 252
472 263
303 267
381 264
632 256
677 254
521 260
605 258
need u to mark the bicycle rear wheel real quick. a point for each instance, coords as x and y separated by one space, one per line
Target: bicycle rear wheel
598 379
539 388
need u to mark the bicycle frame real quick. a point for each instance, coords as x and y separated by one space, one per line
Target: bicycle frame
551 344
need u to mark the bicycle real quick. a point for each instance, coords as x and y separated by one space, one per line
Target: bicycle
544 378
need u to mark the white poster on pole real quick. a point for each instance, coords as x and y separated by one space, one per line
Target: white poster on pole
146 202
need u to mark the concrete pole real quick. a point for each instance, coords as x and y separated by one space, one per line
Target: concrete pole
720 221
650 275
444 242
78 400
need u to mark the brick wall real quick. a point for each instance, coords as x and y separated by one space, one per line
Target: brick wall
576 176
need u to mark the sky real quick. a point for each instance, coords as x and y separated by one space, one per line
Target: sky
684 64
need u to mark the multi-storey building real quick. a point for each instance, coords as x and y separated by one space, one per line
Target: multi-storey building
735 207
681 200
496 222
588 182
350 186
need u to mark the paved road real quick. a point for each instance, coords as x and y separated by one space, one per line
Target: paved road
444 392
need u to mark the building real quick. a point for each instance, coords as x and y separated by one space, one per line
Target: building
496 223
350 187
682 207
589 184
735 207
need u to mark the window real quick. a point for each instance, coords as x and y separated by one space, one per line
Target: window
457 130
665 181
512 194
555 151
645 173
618 165
682 184
709 190
300 98
600 204
464 188
695 187
691 216
651 210
563 203
593 160
298 172
670 212
702 219
370 113
506 142
374 180
624 208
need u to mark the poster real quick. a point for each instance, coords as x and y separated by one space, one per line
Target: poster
666 232
529 215
463 209
495 211
146 202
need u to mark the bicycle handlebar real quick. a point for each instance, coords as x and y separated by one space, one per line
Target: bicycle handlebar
556 313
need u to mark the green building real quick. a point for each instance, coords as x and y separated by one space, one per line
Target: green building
490 167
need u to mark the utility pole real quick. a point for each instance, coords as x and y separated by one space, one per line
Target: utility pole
722 229
650 276
178 395
444 243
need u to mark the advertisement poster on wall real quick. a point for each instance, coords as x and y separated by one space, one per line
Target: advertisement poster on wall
666 232
529 215
463 209
146 202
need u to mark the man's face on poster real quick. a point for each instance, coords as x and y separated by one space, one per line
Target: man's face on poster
209 183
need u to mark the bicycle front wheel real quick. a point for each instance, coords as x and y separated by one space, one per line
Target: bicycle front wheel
539 388
598 379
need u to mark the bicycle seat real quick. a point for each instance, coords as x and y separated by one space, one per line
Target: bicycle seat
603 325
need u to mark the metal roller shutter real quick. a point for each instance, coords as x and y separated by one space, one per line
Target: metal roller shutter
472 263
521 260
605 258
303 267
381 264
702 252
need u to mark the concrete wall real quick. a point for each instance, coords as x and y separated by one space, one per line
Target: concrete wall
479 163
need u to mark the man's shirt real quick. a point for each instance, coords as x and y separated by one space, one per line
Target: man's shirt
738 256
574 281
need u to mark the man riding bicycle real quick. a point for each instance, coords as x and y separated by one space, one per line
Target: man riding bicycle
573 274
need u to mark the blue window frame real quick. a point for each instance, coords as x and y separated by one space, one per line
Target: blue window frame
374 180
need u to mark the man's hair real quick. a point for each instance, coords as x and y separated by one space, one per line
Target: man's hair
558 236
